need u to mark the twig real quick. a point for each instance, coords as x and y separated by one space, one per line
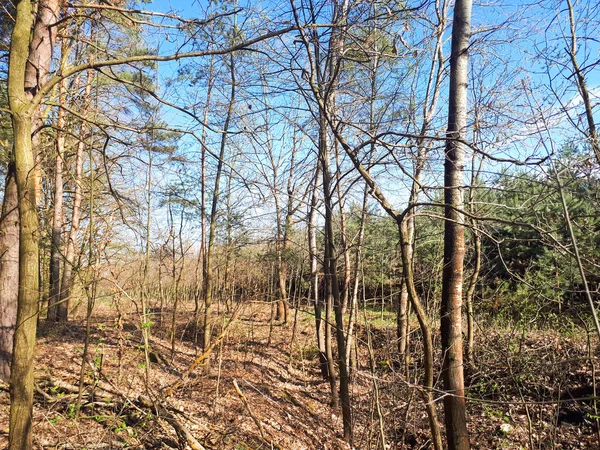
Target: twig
253 416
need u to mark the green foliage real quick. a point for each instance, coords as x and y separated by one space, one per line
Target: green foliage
530 274
380 253
71 410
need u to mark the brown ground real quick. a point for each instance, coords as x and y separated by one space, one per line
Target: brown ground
286 395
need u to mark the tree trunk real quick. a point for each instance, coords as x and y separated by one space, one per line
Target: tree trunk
68 276
476 250
35 60
469 297
57 214
332 286
202 253
343 233
405 246
436 74
357 264
280 268
9 270
28 68
454 239
208 278
314 275
21 407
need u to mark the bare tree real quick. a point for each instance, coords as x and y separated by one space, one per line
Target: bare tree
454 239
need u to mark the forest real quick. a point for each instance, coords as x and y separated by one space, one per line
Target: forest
306 224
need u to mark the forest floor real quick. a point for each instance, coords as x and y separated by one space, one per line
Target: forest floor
282 400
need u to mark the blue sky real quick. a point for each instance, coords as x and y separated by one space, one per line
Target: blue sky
527 31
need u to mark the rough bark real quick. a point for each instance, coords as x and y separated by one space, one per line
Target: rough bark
454 239
28 68
9 270
21 407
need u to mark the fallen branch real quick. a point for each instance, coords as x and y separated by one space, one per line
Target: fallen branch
185 436
254 418
98 446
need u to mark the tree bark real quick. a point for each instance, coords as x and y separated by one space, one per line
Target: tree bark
357 264
202 253
21 407
345 294
314 275
9 270
454 239
28 68
470 294
29 63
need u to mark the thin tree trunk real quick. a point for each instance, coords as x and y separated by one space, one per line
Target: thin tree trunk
145 321
427 393
68 277
331 280
208 279
173 278
90 286
477 256
343 234
57 215
202 254
432 94
355 285
281 312
454 239
469 298
314 275
289 213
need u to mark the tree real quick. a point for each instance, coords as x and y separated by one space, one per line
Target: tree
28 84
454 239
28 68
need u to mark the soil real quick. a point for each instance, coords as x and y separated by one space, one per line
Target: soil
526 389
